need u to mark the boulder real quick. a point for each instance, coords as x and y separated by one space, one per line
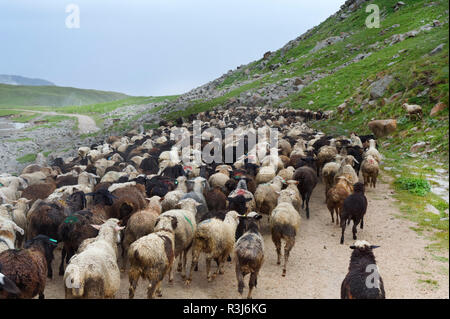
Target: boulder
437 108
382 128
378 88
437 49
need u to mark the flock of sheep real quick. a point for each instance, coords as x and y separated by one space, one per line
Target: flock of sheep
138 203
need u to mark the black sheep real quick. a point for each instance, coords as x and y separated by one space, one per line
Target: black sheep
363 280
307 181
354 208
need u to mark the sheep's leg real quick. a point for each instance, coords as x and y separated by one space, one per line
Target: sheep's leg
133 277
308 196
374 181
158 289
354 229
183 273
277 242
41 295
239 277
61 265
151 289
252 284
303 201
343 225
208 269
171 273
362 222
338 215
290 242
332 215
50 271
180 266
194 262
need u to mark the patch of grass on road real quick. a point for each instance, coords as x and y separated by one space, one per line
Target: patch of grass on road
26 158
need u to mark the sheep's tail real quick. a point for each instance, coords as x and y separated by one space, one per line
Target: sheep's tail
284 229
73 281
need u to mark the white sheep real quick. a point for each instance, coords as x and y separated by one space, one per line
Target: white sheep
93 272
284 225
413 109
152 256
215 238
8 229
373 151
172 198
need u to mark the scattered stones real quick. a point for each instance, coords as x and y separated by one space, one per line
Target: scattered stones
430 208
417 147
437 49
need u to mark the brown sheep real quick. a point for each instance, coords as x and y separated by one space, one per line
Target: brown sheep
337 195
27 267
39 191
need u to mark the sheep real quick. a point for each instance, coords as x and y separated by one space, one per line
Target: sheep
362 265
373 151
198 185
329 171
287 173
19 216
307 181
413 109
152 256
249 253
27 267
11 192
239 198
93 272
184 231
265 174
33 178
216 199
295 195
326 154
336 196
215 238
7 284
140 224
347 171
370 170
172 198
73 231
39 191
266 195
356 141
284 225
221 177
8 229
354 208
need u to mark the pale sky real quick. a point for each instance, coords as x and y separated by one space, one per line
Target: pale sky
147 47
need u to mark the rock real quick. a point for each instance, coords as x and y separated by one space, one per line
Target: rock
267 55
416 147
437 108
378 88
342 107
398 5
310 102
383 127
298 81
437 49
436 23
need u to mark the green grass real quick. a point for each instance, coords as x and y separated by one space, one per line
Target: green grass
14 95
25 117
414 185
24 139
8 112
26 158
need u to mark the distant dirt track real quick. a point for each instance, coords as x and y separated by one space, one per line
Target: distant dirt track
85 123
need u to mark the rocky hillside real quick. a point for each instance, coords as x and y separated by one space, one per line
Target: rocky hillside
356 73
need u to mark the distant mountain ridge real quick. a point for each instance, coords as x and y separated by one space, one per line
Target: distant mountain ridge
21 80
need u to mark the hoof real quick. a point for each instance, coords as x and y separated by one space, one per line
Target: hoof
284 273
187 282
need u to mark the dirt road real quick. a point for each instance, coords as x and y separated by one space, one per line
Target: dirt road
318 263
85 123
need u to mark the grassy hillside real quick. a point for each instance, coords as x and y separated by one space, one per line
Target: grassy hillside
16 95
343 72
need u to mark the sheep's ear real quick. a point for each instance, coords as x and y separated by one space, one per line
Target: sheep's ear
258 216
373 247
352 247
278 192
119 228
230 199
248 199
198 204
96 226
